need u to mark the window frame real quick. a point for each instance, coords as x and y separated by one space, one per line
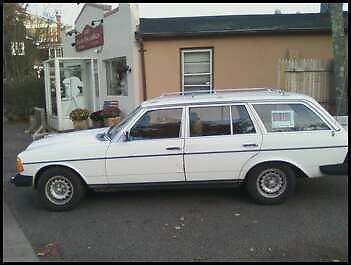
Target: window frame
264 130
145 110
253 120
182 74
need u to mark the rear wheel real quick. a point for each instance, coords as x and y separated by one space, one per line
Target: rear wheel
270 183
60 189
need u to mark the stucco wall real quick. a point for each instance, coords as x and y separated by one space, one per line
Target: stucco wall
119 41
238 61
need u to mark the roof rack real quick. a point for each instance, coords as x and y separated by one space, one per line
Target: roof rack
213 91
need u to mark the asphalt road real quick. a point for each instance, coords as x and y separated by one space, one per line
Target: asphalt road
183 225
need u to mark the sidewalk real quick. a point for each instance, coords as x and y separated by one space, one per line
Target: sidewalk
15 245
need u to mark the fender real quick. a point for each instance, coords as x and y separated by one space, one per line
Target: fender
259 158
40 168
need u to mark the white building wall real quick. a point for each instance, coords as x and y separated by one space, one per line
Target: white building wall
119 40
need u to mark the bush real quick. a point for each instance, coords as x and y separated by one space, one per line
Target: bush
79 114
21 96
111 112
97 116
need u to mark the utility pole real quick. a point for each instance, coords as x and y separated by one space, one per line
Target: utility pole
338 42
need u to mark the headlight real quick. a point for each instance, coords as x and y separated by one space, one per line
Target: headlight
19 165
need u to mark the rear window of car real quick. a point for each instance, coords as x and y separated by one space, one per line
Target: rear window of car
289 117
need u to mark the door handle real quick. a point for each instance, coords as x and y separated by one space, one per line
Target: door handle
173 148
250 145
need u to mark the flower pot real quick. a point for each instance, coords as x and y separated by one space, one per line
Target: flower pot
98 124
81 125
112 121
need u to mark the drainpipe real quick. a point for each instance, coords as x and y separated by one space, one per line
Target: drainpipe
141 50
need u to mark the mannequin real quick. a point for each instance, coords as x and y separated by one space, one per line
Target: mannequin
73 89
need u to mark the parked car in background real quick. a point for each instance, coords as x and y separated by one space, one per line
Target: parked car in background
261 138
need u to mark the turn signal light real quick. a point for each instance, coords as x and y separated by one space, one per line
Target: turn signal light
19 165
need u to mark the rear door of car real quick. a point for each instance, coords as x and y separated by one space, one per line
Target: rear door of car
220 138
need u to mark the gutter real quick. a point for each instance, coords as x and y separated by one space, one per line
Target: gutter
142 56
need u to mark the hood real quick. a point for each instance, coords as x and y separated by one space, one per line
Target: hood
70 139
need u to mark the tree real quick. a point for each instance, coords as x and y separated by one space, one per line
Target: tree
338 42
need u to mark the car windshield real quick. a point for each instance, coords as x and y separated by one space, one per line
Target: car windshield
113 130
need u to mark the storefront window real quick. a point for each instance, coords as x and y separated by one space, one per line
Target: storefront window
96 78
116 75
52 87
72 87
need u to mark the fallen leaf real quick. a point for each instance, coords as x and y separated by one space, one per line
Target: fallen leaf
182 218
252 249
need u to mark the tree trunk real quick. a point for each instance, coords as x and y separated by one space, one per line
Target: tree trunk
338 42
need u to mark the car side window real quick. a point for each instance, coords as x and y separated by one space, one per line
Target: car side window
289 117
242 124
157 124
208 121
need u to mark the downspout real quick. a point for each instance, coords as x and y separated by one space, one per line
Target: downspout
142 51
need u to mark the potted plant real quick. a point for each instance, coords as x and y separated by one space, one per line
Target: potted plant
97 119
111 116
80 118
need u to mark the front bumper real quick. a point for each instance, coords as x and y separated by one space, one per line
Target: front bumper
22 180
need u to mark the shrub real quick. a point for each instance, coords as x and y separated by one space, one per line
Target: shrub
20 96
79 114
111 112
97 116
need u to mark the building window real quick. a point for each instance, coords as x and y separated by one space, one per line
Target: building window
17 48
196 69
55 52
116 75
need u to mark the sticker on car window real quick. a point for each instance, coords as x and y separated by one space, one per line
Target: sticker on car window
282 119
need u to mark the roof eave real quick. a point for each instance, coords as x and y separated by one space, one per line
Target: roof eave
229 32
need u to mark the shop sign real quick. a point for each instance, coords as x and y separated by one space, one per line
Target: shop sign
90 38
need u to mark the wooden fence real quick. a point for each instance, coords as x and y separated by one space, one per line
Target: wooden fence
312 77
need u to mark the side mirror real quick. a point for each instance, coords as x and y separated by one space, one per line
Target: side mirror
125 136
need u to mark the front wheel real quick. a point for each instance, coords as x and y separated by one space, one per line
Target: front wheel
60 189
271 183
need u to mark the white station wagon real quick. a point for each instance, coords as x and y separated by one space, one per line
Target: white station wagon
261 138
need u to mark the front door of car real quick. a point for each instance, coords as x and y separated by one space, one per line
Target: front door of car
153 152
220 139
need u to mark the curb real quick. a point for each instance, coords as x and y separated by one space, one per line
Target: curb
16 247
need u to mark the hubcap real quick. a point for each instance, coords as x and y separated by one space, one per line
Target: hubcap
271 183
59 190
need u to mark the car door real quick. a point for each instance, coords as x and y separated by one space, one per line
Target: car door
153 152
219 140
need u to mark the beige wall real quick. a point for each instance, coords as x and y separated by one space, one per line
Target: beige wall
239 61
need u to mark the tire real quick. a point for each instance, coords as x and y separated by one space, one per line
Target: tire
270 183
60 189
